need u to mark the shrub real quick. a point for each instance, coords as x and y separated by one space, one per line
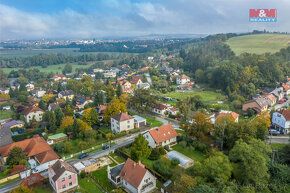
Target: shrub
191 148
83 174
23 162
6 172
162 169
162 151
155 154
175 161
166 147
183 144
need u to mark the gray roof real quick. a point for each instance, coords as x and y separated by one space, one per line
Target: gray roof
5 137
277 91
115 171
11 123
138 118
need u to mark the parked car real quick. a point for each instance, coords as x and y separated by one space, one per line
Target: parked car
83 155
274 132
281 101
106 147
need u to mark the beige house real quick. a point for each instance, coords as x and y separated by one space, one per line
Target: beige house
67 94
258 105
122 122
182 79
33 112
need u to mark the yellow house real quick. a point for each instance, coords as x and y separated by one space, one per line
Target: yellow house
67 94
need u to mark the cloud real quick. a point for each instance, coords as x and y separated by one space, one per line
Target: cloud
131 18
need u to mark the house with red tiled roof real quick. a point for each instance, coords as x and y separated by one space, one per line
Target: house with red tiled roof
161 136
234 116
137 79
125 84
183 79
281 120
59 77
132 177
62 177
122 122
35 148
286 88
160 108
33 112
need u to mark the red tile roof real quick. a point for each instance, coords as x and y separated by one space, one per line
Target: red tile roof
160 106
232 114
31 109
163 133
184 77
122 117
32 147
286 114
133 172
286 87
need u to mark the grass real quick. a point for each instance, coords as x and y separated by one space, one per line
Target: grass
87 185
205 95
102 177
278 145
43 188
259 43
118 158
195 155
151 121
182 132
6 114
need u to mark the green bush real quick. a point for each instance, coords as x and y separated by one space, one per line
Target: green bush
162 169
162 151
183 144
155 154
6 172
166 147
200 147
27 135
83 174
175 161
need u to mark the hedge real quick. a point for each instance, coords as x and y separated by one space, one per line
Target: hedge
27 134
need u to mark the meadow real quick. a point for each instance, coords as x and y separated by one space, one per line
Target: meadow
205 95
259 43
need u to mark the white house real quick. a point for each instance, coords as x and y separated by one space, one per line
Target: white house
160 108
122 122
172 110
33 112
98 70
286 88
281 120
183 79
40 93
132 176
29 86
4 90
110 74
62 177
159 137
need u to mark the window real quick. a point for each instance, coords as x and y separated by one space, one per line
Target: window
63 186
70 184
63 179
128 121
69 177
128 126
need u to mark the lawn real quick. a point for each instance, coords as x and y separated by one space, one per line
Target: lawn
87 185
195 155
102 177
205 95
259 43
43 188
151 121
278 145
182 132
118 158
6 114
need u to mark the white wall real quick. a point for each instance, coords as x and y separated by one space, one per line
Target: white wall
128 186
150 178
279 119
149 138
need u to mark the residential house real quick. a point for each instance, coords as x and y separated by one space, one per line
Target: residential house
234 116
101 109
4 90
132 177
62 177
67 94
145 85
59 137
136 80
40 93
96 70
286 88
172 110
52 106
29 86
59 77
278 93
258 105
110 74
160 108
33 112
88 165
125 84
161 136
6 108
186 86
122 122
35 148
183 79
13 123
82 102
268 90
128 90
271 99
281 120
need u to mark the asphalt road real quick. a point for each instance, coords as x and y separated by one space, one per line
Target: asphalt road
8 187
278 106
278 139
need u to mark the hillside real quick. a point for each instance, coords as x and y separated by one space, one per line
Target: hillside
259 43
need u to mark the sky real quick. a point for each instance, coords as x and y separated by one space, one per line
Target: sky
86 19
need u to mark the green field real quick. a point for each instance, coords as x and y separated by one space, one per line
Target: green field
259 43
6 114
195 155
205 95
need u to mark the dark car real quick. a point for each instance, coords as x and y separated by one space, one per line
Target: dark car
274 132
106 147
83 155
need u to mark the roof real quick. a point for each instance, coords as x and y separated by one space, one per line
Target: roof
66 92
32 147
115 171
59 167
12 123
57 136
260 101
286 114
232 114
101 108
138 118
5 136
31 109
33 179
160 106
183 77
271 97
136 78
133 172
286 87
122 117
268 90
17 169
163 133
59 75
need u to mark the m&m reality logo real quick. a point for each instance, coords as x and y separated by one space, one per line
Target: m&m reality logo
263 15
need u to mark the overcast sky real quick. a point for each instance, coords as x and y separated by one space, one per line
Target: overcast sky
74 19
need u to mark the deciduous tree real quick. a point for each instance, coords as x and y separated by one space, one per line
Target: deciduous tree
140 148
